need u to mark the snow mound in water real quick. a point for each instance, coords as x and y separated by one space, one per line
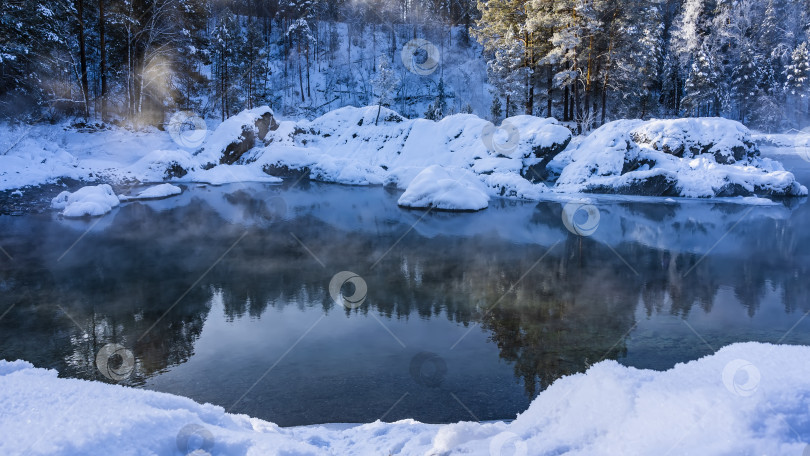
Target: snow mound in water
748 398
92 200
667 158
445 189
228 174
155 192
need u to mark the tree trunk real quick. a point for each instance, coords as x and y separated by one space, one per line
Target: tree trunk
373 48
566 102
677 96
506 108
83 57
588 86
393 42
309 93
137 76
604 102
103 63
529 75
130 75
577 107
549 89
300 73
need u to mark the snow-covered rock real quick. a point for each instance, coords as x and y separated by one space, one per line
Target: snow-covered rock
236 135
728 141
682 157
86 201
162 165
154 192
748 398
446 189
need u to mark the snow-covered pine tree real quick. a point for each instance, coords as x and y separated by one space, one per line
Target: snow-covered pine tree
495 109
703 84
438 109
226 40
503 27
193 46
252 63
797 78
505 72
744 82
385 84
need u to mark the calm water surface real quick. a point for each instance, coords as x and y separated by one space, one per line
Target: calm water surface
222 295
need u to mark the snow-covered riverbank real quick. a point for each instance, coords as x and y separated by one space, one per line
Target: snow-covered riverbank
525 157
747 398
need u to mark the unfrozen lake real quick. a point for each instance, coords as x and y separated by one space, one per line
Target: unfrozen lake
222 295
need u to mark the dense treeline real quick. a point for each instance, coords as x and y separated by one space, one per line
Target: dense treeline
742 59
582 61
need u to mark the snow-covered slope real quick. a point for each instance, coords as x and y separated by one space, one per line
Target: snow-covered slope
747 398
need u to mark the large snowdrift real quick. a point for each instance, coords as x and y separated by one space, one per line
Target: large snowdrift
747 398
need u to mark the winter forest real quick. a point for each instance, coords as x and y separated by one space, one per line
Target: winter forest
584 62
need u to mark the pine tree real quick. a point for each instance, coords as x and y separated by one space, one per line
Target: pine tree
503 26
193 54
702 85
385 84
438 108
745 79
506 73
495 110
798 76
252 58
226 40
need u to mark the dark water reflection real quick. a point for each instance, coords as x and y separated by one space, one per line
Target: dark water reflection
258 332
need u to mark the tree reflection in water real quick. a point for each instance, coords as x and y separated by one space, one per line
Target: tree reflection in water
127 281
